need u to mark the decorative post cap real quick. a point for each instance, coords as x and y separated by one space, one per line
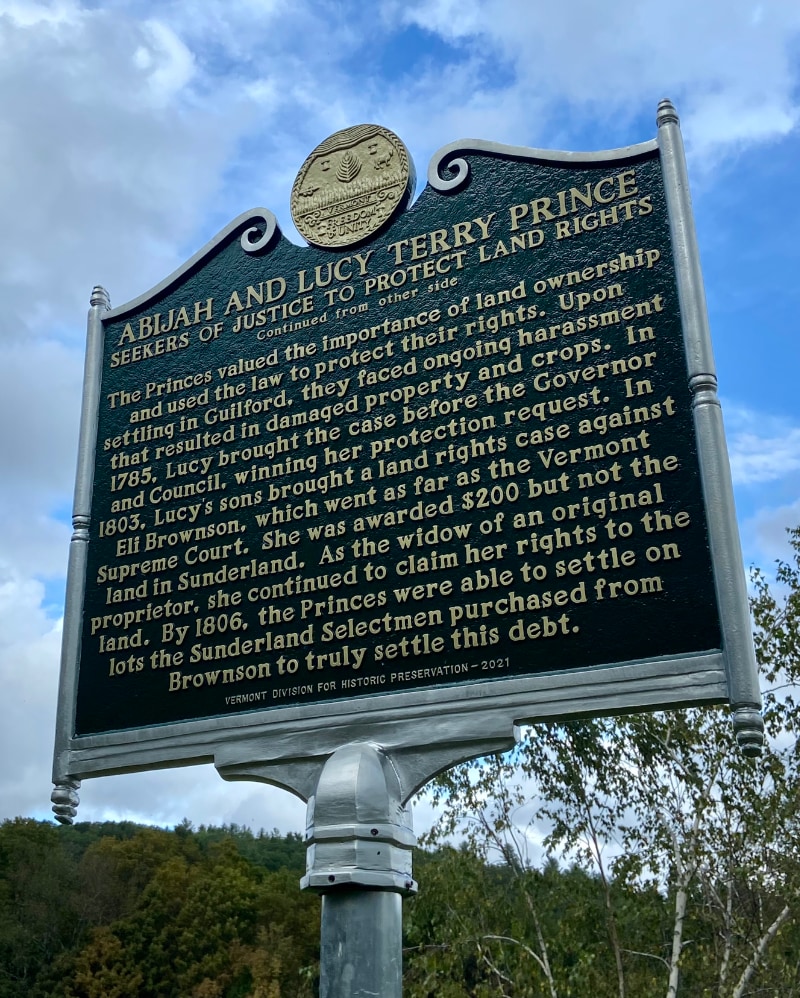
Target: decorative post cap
749 727
65 801
666 114
100 297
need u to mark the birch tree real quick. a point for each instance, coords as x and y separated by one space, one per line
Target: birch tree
660 806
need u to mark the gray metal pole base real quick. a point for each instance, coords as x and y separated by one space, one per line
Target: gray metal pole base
361 945
359 858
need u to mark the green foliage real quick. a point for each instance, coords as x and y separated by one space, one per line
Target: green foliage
39 913
270 850
476 929
689 852
776 610
121 911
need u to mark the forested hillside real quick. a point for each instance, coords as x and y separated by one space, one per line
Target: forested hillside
123 911
117 910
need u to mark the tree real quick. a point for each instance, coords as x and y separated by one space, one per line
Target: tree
119 911
679 834
486 929
38 914
776 611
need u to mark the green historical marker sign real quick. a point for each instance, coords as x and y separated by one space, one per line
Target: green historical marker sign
346 514
442 452
460 451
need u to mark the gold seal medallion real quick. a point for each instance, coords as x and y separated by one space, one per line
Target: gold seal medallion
351 185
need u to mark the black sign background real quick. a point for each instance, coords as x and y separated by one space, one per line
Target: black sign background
129 673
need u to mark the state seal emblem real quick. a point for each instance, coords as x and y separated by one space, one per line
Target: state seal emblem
351 185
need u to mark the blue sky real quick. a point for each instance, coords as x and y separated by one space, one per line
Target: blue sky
132 131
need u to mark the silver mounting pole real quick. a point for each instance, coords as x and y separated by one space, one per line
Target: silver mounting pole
359 859
65 796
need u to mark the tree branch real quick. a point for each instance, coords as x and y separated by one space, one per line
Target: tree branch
760 950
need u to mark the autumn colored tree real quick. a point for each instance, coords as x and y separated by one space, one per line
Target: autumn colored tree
130 911
39 914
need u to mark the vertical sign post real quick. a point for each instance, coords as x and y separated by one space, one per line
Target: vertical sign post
347 514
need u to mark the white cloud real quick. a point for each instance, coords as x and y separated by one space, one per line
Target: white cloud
29 646
762 448
764 459
99 181
454 19
732 68
107 157
132 131
766 533
27 13
198 793
172 64
721 118
764 452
